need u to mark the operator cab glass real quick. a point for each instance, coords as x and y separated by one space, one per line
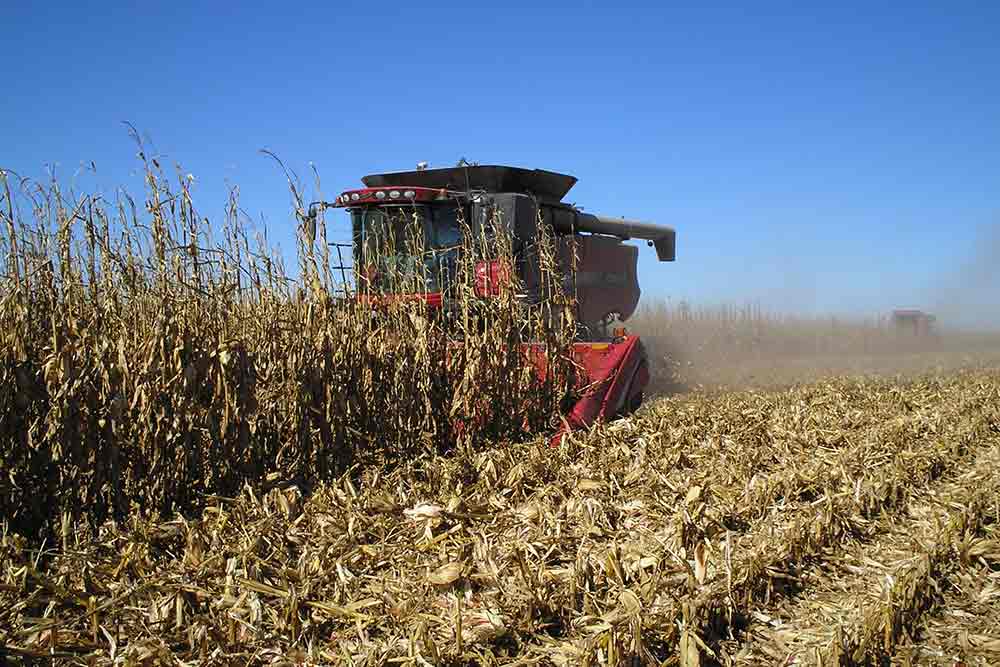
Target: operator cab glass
407 248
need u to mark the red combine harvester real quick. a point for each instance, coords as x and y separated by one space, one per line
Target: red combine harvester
605 288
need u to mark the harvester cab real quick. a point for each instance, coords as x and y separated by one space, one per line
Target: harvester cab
433 209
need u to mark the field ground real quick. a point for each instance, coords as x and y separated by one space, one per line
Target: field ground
846 521
763 371
735 347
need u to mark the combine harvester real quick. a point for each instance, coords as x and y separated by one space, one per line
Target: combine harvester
614 362
909 321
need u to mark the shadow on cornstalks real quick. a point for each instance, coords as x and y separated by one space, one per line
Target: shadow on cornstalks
149 359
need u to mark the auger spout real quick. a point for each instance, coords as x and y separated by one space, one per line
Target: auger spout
663 238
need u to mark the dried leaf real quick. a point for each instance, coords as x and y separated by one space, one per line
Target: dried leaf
446 574
423 511
700 562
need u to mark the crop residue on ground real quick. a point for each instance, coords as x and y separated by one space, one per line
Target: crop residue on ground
848 521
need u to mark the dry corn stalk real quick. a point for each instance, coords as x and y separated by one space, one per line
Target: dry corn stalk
146 360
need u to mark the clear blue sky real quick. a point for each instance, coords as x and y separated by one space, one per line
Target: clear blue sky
832 159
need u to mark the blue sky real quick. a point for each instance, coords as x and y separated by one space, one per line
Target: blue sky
842 159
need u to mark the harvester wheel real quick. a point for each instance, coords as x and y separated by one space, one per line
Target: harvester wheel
634 403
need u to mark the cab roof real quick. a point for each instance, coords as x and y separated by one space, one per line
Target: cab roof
546 185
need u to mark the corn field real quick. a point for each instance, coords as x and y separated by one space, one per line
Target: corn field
749 345
150 361
208 462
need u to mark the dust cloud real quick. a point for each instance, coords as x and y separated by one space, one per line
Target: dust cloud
968 297
692 346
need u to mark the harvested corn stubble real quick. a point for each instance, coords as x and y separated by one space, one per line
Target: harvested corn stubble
862 597
664 538
965 624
